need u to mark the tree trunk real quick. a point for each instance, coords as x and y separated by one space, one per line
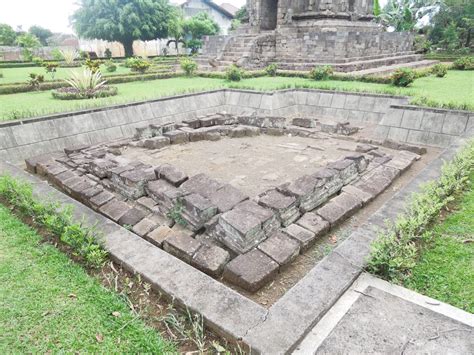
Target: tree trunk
128 46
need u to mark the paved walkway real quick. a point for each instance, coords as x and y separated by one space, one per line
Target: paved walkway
374 316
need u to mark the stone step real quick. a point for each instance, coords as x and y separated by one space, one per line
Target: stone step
384 70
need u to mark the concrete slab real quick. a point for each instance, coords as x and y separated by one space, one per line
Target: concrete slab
374 316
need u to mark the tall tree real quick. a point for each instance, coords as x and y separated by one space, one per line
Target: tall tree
7 35
28 43
123 20
404 15
176 31
41 33
196 27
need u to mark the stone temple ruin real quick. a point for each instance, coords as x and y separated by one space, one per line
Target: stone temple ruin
194 207
299 34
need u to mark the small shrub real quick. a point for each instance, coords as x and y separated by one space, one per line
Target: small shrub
93 65
84 85
421 44
440 70
84 241
56 54
403 77
37 60
189 66
108 53
234 73
271 69
176 213
321 73
35 80
464 63
51 68
110 66
137 64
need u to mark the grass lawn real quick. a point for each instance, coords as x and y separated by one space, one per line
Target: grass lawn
21 75
49 304
457 87
446 268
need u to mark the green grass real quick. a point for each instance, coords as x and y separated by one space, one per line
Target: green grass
21 75
49 304
457 88
446 268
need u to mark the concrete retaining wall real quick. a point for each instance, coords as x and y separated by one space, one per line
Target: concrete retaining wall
396 120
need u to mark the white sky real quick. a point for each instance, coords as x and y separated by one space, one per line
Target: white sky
52 14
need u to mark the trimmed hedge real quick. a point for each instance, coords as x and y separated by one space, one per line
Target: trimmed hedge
70 93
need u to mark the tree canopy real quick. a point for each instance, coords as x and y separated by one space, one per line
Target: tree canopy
7 35
41 33
123 20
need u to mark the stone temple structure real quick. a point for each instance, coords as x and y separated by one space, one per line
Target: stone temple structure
299 34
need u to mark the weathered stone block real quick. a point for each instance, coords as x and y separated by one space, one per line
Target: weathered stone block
267 217
201 184
181 246
211 259
240 230
226 197
301 235
314 223
280 248
285 207
33 161
201 134
251 271
147 203
171 174
75 148
156 142
332 213
101 199
158 235
365 197
304 122
89 193
399 163
145 226
132 217
197 211
346 168
360 161
165 194
131 183
114 209
100 167
49 169
177 137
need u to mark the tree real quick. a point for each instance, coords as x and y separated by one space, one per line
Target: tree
7 35
196 27
41 33
242 14
403 15
453 26
123 20
176 31
28 43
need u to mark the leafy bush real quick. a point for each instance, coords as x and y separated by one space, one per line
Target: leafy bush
110 66
234 73
403 77
189 66
56 54
93 65
58 220
271 69
464 63
137 64
72 94
421 44
35 80
37 60
321 73
395 252
440 70
51 68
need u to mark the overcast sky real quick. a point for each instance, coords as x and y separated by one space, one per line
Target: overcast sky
52 14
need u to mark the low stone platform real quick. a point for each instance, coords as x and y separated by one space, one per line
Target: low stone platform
213 225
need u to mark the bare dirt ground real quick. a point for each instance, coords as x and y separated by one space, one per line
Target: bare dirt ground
251 164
